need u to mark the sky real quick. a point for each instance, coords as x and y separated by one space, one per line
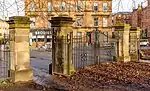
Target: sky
126 5
16 7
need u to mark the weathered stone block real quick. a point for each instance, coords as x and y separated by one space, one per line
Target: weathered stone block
22 39
22 75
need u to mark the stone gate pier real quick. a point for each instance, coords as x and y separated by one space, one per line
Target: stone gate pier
127 42
62 45
19 27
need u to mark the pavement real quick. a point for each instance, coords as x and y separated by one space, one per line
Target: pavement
40 61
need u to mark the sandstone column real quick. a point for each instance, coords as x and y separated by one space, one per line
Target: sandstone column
134 43
122 37
126 43
62 45
19 47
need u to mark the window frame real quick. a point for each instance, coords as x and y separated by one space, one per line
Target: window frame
32 6
79 6
50 7
104 22
96 21
96 4
103 7
33 23
79 35
63 6
80 20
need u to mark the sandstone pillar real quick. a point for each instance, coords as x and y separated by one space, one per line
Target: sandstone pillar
126 43
62 45
19 47
134 43
122 37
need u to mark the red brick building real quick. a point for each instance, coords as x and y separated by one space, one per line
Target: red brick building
137 17
141 18
146 20
125 17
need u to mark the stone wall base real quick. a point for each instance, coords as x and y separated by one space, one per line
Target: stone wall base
124 59
22 75
134 57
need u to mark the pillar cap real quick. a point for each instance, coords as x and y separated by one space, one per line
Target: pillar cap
119 26
60 20
19 19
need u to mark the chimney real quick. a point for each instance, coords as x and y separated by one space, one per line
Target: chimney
139 7
134 9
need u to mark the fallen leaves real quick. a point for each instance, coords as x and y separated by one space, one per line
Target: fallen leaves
106 74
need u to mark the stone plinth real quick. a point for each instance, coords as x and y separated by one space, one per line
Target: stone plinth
20 51
62 45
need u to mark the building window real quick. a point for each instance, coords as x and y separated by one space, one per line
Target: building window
105 6
71 7
40 39
106 37
79 34
63 6
127 22
32 6
95 21
79 6
105 22
32 25
49 6
95 7
49 24
79 21
89 37
144 33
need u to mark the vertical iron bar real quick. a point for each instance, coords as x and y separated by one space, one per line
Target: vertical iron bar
82 53
53 50
0 60
36 39
9 56
4 64
76 48
68 52
99 58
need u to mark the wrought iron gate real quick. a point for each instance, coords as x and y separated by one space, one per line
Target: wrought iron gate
5 57
86 50
92 50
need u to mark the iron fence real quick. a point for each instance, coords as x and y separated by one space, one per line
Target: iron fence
92 53
5 57
83 51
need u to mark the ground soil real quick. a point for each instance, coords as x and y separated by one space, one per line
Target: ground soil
31 86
